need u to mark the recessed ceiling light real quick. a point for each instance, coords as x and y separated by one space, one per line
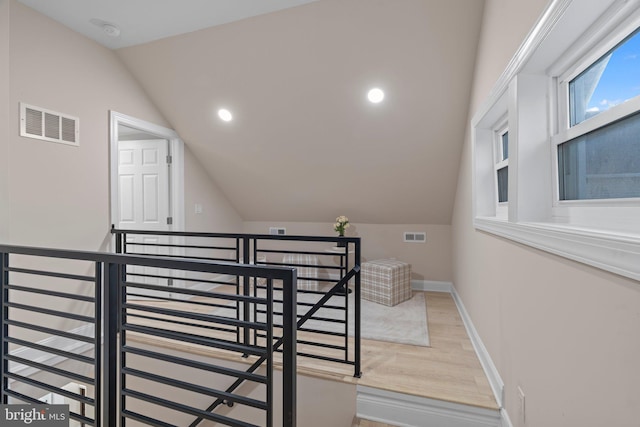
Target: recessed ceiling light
375 95
225 115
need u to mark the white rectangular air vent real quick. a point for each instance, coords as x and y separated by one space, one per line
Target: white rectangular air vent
39 123
415 236
278 231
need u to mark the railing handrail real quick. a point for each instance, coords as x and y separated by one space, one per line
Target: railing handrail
231 268
290 237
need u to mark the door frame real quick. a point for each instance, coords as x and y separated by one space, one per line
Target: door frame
176 149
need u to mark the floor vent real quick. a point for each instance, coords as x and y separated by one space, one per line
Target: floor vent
39 123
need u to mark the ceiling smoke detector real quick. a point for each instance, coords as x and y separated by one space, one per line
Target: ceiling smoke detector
112 30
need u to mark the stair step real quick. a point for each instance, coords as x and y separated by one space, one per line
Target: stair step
396 409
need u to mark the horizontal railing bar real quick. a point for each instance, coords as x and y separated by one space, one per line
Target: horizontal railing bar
247 401
174 245
330 359
44 348
300 316
49 387
185 409
290 264
194 292
51 293
144 419
294 252
195 316
195 339
177 322
50 312
195 364
190 257
323 345
50 331
52 274
50 369
186 279
230 306
319 331
30 399
309 304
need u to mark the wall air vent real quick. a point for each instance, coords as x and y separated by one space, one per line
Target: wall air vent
278 231
39 123
415 236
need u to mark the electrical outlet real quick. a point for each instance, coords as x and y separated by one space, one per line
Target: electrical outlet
278 231
522 406
198 208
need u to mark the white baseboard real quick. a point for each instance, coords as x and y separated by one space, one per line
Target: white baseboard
431 286
506 421
496 383
404 410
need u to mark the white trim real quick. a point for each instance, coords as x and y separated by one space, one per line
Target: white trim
56 342
405 410
431 286
177 174
615 252
495 381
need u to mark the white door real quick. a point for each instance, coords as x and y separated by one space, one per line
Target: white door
144 202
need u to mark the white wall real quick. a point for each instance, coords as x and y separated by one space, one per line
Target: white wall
218 215
4 117
567 334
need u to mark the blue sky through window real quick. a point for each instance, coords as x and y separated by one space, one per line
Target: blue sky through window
620 80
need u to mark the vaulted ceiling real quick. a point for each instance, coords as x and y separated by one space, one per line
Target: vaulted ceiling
305 144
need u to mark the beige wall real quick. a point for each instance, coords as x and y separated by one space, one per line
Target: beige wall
4 117
218 215
429 261
59 194
567 334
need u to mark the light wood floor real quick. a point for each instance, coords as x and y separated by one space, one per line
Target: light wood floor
449 370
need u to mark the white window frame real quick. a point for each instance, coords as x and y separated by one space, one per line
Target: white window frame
568 38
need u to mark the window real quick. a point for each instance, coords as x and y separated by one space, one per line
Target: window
572 146
603 162
613 79
502 165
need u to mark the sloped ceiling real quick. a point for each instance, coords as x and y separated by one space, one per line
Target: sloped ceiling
305 144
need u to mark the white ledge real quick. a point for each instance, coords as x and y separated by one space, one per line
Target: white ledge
610 251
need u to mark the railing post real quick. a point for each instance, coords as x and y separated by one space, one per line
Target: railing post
289 351
4 328
246 289
109 349
358 314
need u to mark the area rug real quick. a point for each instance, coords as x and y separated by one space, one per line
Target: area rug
405 323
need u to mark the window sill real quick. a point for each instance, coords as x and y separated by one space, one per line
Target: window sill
610 251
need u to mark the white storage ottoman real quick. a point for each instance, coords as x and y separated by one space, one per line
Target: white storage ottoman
386 281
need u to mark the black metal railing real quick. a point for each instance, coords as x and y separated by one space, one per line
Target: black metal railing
129 344
328 283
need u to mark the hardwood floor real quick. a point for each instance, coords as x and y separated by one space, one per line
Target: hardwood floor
449 370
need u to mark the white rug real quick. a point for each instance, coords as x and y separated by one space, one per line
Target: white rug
405 323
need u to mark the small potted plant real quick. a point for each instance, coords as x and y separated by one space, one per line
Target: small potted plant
342 223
